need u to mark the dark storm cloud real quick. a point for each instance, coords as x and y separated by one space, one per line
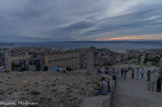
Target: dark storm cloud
71 29
125 22
58 20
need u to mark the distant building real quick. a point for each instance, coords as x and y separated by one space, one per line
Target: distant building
37 61
66 59
5 59
18 57
134 60
151 56
19 61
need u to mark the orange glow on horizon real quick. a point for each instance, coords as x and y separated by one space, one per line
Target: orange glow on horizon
142 37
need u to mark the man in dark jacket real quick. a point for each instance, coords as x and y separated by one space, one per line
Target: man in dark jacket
158 85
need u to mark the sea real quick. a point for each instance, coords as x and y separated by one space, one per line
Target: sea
118 46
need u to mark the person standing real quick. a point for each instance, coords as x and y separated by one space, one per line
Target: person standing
61 69
142 73
108 83
148 75
57 68
137 73
159 84
125 73
122 72
101 69
155 70
106 71
132 75
118 70
129 68
114 78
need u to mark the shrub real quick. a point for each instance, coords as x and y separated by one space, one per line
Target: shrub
2 92
32 105
54 90
53 84
26 89
9 93
34 93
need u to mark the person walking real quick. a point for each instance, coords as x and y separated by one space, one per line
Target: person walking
158 84
114 77
129 68
125 73
132 75
142 73
118 70
148 75
155 70
137 73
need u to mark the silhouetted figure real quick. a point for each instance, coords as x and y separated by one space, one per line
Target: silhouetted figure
122 72
114 78
132 75
46 68
158 85
148 75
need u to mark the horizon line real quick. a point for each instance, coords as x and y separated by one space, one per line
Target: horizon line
88 41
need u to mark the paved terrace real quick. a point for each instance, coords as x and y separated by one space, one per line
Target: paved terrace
134 93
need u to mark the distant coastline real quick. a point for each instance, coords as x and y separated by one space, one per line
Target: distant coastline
118 46
6 44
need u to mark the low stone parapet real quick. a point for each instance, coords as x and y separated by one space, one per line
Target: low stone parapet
97 101
100 100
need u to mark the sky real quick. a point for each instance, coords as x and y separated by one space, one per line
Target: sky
80 20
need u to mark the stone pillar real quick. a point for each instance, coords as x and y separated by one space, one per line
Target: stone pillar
7 61
92 60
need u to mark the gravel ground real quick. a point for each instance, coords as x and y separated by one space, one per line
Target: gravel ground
49 89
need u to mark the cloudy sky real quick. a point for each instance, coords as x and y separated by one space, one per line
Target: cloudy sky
79 20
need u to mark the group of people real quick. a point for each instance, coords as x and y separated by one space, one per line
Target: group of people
124 72
141 72
60 69
104 86
107 70
138 73
135 73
